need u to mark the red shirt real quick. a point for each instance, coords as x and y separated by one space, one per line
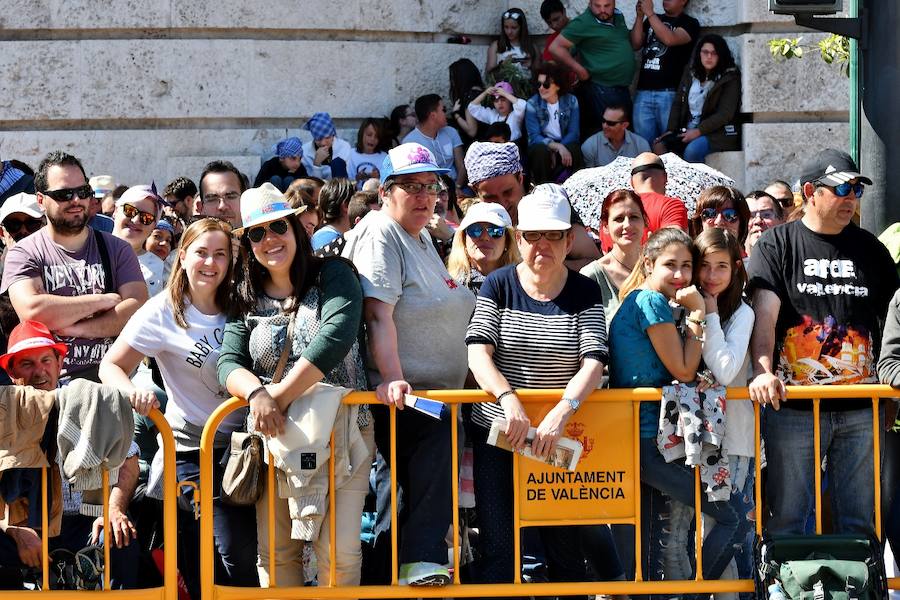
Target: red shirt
662 211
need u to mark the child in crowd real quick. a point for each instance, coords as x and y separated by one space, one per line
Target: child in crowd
326 155
507 108
285 167
369 154
161 240
647 350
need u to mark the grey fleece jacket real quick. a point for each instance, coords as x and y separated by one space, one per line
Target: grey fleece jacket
889 358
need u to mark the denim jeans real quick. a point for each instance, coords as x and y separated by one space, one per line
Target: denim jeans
492 470
697 149
75 534
651 112
846 438
604 95
677 481
234 530
424 506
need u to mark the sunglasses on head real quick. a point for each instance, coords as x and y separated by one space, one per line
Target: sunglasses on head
730 215
83 192
15 225
144 218
475 230
256 234
511 15
550 236
844 189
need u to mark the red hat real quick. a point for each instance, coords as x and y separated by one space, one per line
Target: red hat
29 335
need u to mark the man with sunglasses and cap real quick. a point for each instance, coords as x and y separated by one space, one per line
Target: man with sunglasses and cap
820 287
83 284
495 174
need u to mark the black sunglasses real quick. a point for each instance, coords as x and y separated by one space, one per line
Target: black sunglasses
609 123
15 225
68 194
545 84
256 234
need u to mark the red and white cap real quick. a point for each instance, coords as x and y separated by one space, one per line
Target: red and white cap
29 335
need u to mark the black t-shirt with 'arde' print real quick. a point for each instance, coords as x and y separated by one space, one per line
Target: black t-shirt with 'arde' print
834 292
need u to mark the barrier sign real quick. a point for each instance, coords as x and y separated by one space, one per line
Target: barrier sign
602 485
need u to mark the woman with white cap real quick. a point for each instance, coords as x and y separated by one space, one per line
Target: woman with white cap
483 243
137 212
281 291
507 353
416 317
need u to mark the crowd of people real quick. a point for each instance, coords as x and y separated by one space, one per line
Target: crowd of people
428 257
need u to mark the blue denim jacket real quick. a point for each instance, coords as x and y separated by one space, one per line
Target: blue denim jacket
537 116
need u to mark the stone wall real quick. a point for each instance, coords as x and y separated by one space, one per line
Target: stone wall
153 89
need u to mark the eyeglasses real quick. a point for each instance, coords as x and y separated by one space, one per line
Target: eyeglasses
766 214
545 84
144 218
256 234
730 215
550 236
412 188
475 230
215 199
844 189
15 225
511 15
83 192
609 123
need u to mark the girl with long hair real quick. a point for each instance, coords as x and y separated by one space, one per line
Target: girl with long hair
647 350
182 329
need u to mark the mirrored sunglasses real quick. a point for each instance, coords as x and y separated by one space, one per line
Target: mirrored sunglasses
730 215
844 189
475 230
144 218
256 234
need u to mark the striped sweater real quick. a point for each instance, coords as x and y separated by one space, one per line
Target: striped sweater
537 344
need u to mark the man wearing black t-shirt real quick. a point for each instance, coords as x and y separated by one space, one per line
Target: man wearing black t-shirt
820 287
665 41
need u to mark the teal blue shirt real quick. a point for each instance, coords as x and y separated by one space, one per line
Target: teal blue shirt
633 361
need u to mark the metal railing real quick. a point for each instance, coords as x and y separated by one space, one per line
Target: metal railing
454 398
169 589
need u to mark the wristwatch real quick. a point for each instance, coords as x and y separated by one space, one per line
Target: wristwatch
573 403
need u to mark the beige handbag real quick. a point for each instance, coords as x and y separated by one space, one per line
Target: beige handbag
242 483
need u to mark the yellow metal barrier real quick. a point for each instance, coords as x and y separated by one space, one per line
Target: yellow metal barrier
169 590
211 591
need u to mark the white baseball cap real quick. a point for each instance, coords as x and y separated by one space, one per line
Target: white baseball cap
546 208
21 203
486 212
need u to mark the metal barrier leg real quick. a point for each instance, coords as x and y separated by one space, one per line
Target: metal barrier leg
394 524
876 459
454 473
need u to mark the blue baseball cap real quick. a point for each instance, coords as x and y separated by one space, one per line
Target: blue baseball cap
409 158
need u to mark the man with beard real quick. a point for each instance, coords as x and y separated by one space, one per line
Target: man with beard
82 283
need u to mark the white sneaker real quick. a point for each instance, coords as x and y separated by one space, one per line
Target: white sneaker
423 573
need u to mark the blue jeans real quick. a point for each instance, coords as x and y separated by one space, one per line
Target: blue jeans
651 112
75 534
677 480
603 95
234 530
847 441
696 150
